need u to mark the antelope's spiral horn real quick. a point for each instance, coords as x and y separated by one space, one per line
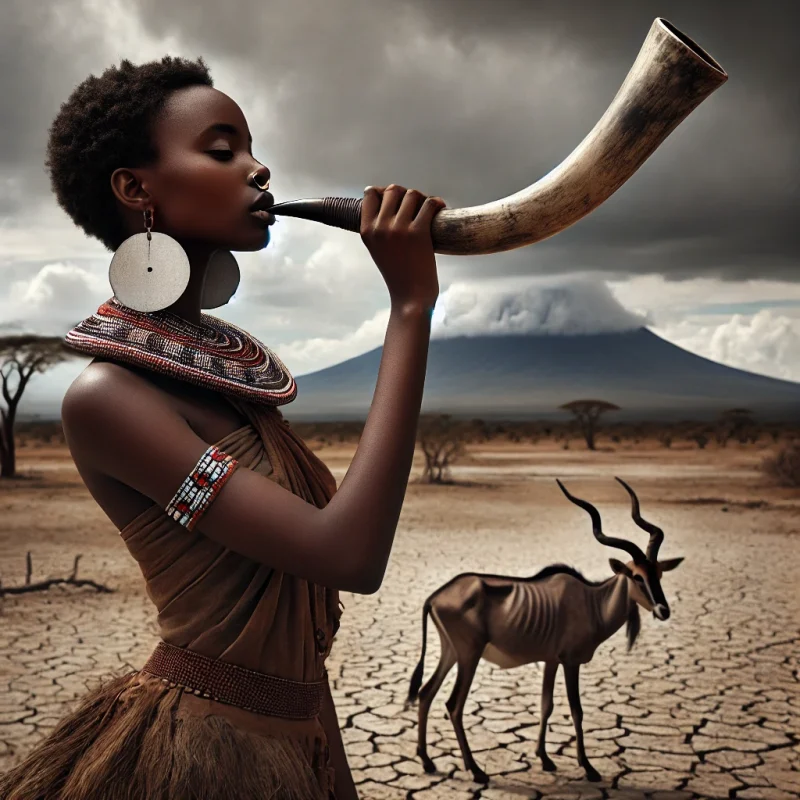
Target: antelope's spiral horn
670 77
630 548
656 534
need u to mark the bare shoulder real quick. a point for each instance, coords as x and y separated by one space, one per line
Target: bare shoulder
102 392
103 375
109 406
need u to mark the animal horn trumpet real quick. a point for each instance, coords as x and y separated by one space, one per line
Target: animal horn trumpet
670 77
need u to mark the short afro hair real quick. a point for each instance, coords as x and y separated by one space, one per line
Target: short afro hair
105 124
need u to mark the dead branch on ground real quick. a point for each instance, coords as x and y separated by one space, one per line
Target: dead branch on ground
42 586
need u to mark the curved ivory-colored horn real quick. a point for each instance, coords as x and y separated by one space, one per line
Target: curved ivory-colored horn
670 77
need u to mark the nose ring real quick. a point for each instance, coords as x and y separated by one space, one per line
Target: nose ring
255 182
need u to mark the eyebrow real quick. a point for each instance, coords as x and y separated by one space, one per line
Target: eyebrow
224 127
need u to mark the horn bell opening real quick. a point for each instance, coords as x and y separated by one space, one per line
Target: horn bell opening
692 45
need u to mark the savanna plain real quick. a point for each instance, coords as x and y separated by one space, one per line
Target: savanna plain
706 704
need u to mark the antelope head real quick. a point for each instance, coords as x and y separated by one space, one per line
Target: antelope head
644 569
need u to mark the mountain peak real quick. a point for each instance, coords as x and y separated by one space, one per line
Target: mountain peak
524 376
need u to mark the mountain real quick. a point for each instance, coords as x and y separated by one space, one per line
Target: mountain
530 376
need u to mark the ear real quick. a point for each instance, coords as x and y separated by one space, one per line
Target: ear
669 564
128 189
619 567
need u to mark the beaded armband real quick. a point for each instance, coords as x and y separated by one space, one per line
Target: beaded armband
201 486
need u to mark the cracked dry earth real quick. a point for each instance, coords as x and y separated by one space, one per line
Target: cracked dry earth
706 705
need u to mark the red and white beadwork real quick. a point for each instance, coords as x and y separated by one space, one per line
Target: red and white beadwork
214 354
201 486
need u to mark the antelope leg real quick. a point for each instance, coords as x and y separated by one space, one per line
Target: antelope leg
455 705
426 695
548 682
571 672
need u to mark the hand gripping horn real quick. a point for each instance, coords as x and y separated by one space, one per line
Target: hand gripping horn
670 77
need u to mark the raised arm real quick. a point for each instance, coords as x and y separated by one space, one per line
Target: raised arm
124 429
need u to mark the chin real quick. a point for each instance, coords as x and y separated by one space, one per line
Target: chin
260 240
256 242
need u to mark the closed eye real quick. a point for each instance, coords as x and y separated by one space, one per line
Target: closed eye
221 155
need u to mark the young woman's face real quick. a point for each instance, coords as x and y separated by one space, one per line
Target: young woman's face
201 185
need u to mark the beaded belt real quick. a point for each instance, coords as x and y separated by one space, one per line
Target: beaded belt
234 685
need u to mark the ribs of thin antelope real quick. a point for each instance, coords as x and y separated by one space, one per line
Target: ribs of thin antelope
560 618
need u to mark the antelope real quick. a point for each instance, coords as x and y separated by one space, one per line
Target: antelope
557 617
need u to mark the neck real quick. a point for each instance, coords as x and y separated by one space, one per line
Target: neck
611 606
187 306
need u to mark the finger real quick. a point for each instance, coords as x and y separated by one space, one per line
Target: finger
391 200
369 206
432 206
409 207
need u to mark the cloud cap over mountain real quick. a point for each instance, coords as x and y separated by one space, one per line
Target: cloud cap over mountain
516 305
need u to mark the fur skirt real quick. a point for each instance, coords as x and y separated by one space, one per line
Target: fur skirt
126 741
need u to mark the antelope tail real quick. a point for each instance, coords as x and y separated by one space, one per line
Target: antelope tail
416 678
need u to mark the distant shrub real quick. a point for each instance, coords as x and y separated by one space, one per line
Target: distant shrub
783 466
701 439
442 440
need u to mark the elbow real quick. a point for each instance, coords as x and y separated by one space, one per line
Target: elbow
360 563
364 583
370 584
364 579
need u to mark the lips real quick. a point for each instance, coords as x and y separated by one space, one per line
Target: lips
264 201
259 209
264 217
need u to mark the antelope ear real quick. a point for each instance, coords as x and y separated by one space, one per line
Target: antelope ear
669 564
619 567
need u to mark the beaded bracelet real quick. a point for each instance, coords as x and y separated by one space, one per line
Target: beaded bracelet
201 486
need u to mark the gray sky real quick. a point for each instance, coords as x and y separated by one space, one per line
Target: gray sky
467 99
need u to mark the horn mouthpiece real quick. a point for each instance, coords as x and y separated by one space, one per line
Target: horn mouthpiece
339 212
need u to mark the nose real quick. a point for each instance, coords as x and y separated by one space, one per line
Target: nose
260 178
661 612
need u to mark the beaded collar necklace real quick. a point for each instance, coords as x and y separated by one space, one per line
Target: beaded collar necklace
213 353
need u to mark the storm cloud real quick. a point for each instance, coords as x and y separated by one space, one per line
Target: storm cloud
468 99
462 98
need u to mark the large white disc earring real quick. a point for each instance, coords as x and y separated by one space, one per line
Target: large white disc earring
221 280
149 271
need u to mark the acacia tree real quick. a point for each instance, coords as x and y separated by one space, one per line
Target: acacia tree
736 423
442 441
21 356
587 413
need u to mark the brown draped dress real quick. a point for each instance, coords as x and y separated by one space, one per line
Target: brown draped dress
135 736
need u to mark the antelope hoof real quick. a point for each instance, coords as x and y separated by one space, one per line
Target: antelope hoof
547 763
479 776
592 774
427 763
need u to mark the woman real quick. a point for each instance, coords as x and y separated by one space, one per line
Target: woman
175 428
